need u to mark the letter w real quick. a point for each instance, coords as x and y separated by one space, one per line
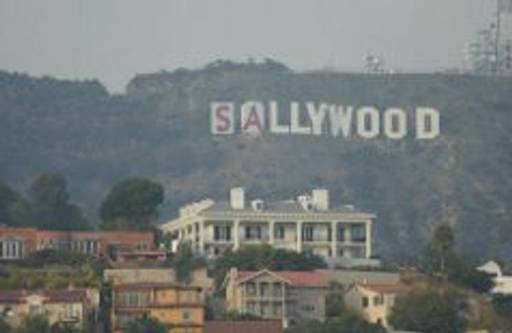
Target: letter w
340 118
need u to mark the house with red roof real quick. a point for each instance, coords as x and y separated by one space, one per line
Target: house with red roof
374 301
290 296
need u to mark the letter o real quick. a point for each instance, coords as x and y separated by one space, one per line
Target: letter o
362 130
389 129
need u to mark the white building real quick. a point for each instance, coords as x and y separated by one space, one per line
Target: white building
341 235
502 283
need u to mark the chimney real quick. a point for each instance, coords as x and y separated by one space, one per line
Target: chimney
237 198
233 274
321 199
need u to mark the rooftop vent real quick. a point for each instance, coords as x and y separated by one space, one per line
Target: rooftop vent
257 205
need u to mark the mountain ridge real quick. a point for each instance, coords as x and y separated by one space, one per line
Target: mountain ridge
161 129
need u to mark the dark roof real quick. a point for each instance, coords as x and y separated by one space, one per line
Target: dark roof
270 326
289 206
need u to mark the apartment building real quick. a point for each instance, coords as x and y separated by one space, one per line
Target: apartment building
374 301
70 307
180 307
287 295
342 235
17 243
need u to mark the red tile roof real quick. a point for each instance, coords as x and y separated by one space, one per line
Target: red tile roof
385 288
271 326
295 278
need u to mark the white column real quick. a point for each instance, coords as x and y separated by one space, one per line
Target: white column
347 250
201 237
236 234
299 236
368 239
271 225
16 249
334 231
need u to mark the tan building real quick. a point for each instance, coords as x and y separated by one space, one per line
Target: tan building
374 301
198 277
72 306
288 296
179 307
342 235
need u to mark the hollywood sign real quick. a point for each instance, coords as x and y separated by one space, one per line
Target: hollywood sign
309 118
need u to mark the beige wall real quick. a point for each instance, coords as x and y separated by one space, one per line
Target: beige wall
375 311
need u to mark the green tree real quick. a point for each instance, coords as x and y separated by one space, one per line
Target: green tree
503 305
4 326
131 204
50 205
428 312
349 322
464 273
34 324
146 324
442 243
183 261
14 209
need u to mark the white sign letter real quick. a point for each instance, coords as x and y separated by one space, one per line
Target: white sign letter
274 120
401 120
295 120
423 131
317 116
363 130
340 118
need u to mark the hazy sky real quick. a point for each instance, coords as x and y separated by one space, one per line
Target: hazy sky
112 40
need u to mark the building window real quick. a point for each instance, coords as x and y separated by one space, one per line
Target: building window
308 308
279 232
264 289
307 233
340 234
378 300
222 233
358 233
133 299
187 315
253 232
251 289
277 289
364 302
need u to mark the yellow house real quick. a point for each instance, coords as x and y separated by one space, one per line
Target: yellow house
374 301
179 307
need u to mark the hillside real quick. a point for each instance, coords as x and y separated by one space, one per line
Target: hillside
161 129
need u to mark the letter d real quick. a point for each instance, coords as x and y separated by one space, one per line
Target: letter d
424 132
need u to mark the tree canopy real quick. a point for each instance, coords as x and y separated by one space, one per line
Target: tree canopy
348 322
428 312
131 204
146 324
34 324
50 204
